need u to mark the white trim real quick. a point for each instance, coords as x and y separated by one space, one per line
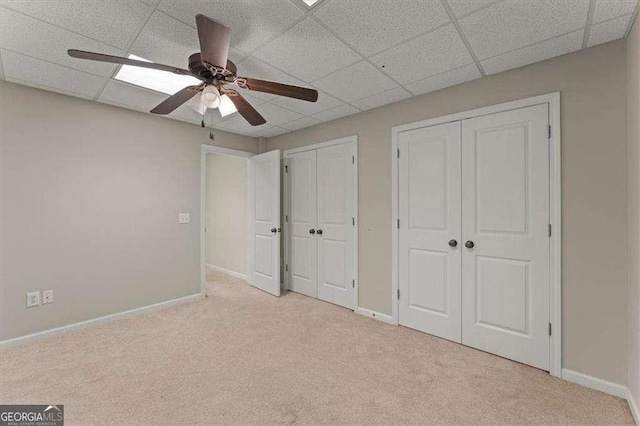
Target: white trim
555 206
204 150
376 315
601 385
633 406
95 321
286 154
332 142
227 271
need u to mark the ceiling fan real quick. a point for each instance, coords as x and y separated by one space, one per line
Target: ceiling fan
212 66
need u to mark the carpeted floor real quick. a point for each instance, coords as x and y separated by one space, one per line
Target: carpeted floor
241 356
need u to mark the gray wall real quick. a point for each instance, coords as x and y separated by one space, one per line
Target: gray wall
633 130
226 204
90 196
594 145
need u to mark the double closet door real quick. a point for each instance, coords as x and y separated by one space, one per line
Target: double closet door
320 223
474 233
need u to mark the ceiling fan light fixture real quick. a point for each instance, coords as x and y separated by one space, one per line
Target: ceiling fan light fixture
211 97
227 107
197 105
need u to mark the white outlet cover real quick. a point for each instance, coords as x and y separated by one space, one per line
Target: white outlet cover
47 297
183 218
33 299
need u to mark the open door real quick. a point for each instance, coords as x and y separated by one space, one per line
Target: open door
264 226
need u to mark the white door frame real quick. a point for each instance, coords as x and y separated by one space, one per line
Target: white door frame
204 150
286 154
555 208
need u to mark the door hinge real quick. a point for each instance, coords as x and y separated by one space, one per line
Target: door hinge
549 230
286 218
286 169
353 221
398 223
549 329
398 294
353 159
286 268
549 132
398 152
353 283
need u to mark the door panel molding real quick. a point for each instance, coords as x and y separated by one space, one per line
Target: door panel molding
555 208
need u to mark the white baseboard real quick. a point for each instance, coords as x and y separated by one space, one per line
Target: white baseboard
633 406
107 318
227 271
376 315
595 383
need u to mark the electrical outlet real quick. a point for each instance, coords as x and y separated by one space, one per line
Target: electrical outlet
33 299
47 297
183 218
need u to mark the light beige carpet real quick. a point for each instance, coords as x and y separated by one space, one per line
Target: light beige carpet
241 356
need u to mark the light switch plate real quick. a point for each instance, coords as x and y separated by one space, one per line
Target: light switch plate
47 297
33 299
183 218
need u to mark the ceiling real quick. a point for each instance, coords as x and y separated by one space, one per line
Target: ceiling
360 54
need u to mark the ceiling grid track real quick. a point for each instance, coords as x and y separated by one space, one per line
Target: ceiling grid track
587 29
463 37
126 53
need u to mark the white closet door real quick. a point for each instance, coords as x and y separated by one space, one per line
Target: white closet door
505 207
302 210
264 189
335 225
429 237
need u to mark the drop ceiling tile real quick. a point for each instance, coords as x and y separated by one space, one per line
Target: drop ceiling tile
237 124
114 22
438 51
271 132
384 98
446 79
371 29
49 76
276 115
252 23
355 82
301 123
535 53
324 102
152 3
335 113
608 30
307 51
464 7
127 95
512 24
31 37
608 9
251 67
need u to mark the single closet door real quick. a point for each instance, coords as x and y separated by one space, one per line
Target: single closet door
335 224
429 235
302 210
505 218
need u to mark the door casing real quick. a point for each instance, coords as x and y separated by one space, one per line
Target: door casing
555 208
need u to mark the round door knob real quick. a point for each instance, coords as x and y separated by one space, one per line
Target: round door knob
453 243
312 231
274 230
469 244
319 231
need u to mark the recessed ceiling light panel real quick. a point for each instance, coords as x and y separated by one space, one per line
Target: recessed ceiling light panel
160 81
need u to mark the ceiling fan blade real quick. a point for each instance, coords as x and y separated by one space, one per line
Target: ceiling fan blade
177 99
244 108
274 88
214 41
81 54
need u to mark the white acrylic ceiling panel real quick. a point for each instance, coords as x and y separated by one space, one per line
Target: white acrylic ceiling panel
359 54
